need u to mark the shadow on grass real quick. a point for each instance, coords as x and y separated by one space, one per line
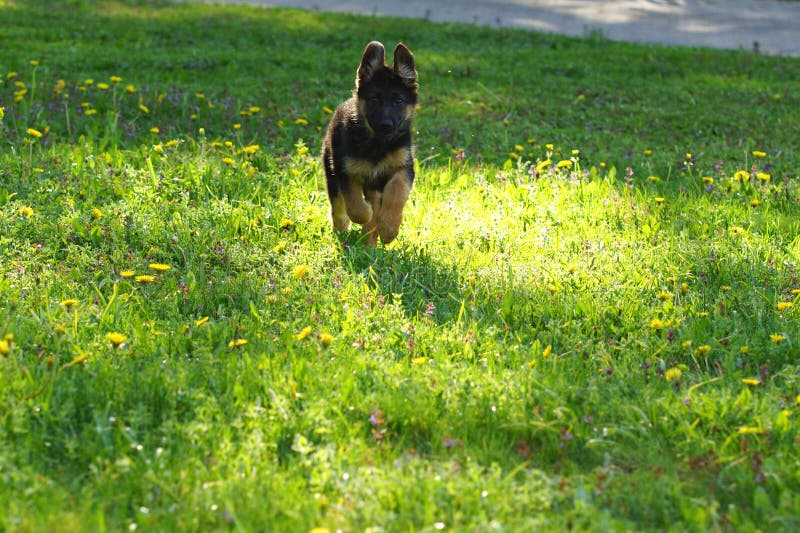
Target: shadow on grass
424 284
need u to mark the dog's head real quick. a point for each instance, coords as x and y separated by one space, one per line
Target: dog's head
386 95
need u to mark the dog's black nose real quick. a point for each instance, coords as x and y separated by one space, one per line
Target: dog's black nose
386 127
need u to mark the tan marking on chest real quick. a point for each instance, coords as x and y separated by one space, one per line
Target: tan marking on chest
365 170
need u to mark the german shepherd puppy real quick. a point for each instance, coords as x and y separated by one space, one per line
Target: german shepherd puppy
367 153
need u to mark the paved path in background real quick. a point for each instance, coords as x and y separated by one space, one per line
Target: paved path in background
771 26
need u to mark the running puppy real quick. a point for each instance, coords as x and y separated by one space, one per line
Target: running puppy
367 152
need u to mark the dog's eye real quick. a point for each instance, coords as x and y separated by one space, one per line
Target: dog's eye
399 100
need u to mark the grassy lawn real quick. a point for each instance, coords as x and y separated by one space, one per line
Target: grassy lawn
587 321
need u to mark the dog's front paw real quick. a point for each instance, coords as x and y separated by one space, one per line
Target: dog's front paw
387 230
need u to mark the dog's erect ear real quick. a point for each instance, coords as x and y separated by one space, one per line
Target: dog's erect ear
404 65
373 58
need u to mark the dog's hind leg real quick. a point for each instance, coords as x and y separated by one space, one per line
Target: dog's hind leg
395 195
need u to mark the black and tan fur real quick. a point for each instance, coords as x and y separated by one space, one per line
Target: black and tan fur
367 153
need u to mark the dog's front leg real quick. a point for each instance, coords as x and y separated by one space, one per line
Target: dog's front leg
368 230
357 208
395 195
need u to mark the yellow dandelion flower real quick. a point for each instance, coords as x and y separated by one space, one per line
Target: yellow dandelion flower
659 199
725 288
782 306
285 223
547 351
741 175
143 108
34 62
653 179
302 150
763 176
159 267
564 163
78 359
419 361
90 112
103 86
686 344
116 339
664 295
11 75
301 121
327 110
575 153
5 347
2 112
750 430
656 324
702 314
96 213
777 338
253 148
744 349
236 343
154 129
227 160
708 180
69 302
543 165
326 339
737 230
759 154
518 148
648 152
158 148
127 273
673 373
201 321
26 212
548 146
254 109
755 202
131 89
278 248
703 350
237 126
305 332
115 79
688 155
33 132
301 271
751 381
145 278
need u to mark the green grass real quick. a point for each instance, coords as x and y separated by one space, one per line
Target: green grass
606 345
